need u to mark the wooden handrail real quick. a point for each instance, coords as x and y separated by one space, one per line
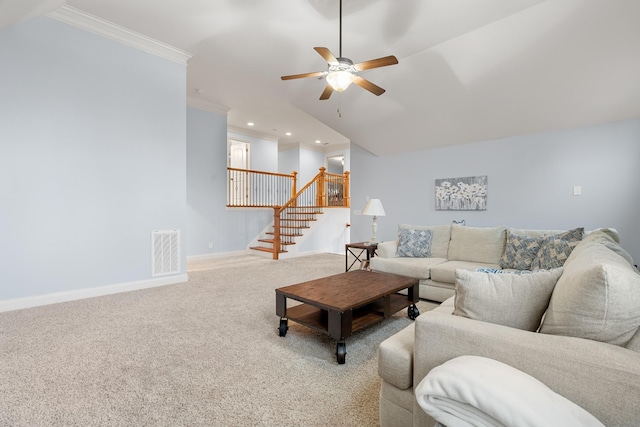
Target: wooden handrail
256 189
286 175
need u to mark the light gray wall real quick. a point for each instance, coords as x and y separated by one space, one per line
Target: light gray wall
530 181
264 153
310 163
302 160
208 218
92 158
289 160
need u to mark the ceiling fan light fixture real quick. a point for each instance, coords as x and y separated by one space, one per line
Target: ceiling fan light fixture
340 80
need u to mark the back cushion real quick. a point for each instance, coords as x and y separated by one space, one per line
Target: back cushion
440 235
514 300
477 244
598 295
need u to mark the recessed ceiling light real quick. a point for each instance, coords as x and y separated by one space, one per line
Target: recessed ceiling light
318 141
250 124
288 133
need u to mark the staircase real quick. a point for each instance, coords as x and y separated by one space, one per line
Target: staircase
294 212
293 222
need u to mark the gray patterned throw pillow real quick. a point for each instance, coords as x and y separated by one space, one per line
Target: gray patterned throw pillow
520 251
553 253
413 243
555 250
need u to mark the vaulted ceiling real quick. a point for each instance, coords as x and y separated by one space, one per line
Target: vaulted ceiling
469 70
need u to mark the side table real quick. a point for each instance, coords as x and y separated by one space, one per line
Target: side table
360 248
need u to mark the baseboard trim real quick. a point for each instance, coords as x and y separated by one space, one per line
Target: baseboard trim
54 298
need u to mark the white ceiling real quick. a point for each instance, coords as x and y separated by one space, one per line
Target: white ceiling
469 70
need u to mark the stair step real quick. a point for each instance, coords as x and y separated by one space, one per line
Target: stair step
285 234
263 249
297 219
295 227
271 241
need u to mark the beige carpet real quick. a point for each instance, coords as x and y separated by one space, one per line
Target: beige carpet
202 353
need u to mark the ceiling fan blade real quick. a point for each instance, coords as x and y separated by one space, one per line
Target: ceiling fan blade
327 55
366 84
375 63
302 76
326 93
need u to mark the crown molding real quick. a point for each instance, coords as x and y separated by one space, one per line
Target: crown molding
207 106
85 21
253 133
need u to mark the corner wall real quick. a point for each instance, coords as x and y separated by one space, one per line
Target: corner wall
92 159
229 230
530 182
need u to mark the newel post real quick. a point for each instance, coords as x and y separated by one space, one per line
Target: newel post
321 195
294 188
276 231
345 190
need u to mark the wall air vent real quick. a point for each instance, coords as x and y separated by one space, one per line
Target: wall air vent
165 252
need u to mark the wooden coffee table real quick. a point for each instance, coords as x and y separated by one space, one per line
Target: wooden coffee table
346 303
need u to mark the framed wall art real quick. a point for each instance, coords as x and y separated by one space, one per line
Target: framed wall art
461 194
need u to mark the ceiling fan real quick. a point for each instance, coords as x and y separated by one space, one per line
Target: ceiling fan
341 71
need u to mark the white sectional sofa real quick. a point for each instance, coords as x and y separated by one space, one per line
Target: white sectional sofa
581 340
451 247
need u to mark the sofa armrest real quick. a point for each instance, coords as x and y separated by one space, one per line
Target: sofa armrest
602 378
387 249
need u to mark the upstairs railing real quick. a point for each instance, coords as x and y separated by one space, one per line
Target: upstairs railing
257 189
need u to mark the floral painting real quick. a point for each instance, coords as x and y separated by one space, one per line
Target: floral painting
461 194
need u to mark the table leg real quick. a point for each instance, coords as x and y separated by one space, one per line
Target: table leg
281 304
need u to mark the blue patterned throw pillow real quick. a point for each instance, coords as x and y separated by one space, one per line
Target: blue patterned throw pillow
520 251
413 243
489 270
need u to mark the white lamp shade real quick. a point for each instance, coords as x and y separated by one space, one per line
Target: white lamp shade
374 207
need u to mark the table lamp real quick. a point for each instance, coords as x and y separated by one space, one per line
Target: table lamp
374 208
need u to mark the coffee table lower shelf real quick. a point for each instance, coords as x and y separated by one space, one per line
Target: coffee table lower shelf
340 325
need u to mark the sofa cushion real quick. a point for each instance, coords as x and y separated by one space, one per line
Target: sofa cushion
477 244
413 243
440 236
514 300
446 272
598 296
419 268
520 251
395 358
387 249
